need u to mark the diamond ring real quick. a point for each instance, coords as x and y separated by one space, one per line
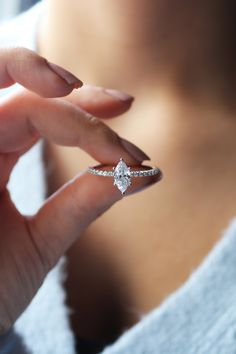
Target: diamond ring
122 174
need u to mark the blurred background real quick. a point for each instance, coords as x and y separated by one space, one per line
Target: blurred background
10 8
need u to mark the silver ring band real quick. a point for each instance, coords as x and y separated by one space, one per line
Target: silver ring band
144 173
122 174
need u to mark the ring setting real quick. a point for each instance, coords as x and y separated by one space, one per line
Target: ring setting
123 174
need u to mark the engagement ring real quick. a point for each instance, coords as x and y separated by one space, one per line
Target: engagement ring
122 174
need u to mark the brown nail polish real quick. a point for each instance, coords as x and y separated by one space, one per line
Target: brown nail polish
65 75
122 96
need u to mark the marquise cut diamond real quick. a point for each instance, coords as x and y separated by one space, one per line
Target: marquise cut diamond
122 174
122 177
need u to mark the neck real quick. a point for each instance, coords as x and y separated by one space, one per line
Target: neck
118 45
113 45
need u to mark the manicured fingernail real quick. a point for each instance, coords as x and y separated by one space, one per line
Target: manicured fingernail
134 151
65 75
122 96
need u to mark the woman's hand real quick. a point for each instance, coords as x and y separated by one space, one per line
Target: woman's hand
30 246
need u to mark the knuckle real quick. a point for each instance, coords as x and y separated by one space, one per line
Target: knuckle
21 54
86 210
92 120
109 135
97 128
94 129
16 52
22 58
102 130
81 209
43 258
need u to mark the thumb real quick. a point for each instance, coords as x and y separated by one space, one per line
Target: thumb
70 210
30 246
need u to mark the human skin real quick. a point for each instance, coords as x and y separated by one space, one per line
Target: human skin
30 246
178 60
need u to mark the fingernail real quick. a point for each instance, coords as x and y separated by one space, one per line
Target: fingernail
122 96
134 151
65 75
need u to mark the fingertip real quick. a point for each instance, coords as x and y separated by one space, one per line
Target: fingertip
101 102
35 73
119 95
65 75
60 81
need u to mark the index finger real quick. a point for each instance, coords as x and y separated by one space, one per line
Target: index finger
35 73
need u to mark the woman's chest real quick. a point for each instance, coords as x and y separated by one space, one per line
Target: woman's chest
134 256
142 249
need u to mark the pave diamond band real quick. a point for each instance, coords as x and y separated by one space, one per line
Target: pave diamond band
122 174
144 173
